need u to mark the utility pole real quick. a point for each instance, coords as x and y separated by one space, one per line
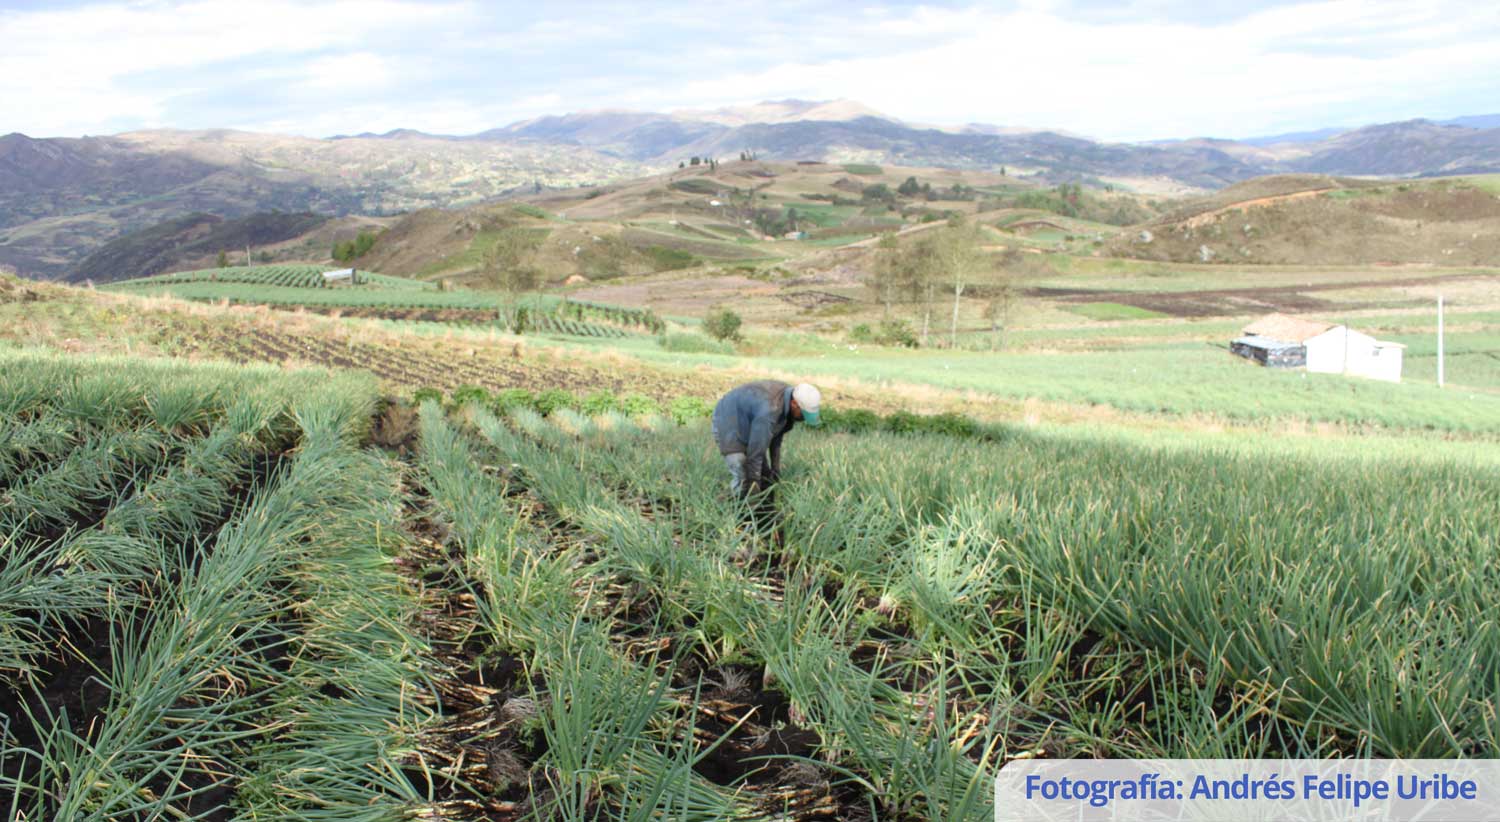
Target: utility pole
1440 341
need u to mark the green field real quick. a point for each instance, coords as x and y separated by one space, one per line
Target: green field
390 294
286 276
332 297
571 615
1114 311
1172 378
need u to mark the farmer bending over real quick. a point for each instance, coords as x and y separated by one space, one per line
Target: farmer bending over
748 425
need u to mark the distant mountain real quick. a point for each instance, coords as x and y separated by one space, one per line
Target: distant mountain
1294 137
1415 148
60 199
1474 121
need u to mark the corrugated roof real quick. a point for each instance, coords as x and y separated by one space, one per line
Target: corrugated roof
1290 329
1267 343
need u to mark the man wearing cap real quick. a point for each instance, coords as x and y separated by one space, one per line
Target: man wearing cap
748 425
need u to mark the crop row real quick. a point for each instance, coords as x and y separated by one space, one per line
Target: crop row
291 276
643 318
174 588
932 604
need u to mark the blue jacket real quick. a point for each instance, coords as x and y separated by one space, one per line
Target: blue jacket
751 420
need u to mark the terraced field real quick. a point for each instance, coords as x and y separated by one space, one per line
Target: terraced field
393 298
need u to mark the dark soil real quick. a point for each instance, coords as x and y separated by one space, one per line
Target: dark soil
73 681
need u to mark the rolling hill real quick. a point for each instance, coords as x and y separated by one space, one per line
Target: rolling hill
1323 220
61 199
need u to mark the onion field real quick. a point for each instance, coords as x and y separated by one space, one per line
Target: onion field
379 296
291 276
249 593
197 611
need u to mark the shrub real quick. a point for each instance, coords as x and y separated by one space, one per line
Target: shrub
890 332
853 420
687 409
688 343
722 325
598 404
508 398
639 405
424 394
465 394
903 422
956 425
553 399
669 259
520 320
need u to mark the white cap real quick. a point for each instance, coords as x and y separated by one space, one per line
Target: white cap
809 400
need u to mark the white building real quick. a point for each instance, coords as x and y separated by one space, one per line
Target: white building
1333 349
1341 350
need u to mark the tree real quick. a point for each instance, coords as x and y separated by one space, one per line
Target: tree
223 261
960 258
891 270
877 192
998 310
909 188
722 325
919 277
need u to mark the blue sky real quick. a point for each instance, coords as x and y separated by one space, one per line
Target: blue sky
1119 71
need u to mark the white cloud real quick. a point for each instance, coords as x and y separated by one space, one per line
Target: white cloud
333 66
64 71
1149 79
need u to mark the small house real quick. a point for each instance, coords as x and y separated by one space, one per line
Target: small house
1323 348
342 276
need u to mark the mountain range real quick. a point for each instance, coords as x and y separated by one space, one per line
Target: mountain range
62 197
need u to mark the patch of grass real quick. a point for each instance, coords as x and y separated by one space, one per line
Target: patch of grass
472 258
669 259
1113 311
837 240
698 185
531 211
1488 182
824 215
684 342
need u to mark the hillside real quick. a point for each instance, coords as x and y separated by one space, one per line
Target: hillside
744 216
180 242
1320 220
1411 149
61 199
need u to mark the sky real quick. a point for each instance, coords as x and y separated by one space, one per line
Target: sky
1151 69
